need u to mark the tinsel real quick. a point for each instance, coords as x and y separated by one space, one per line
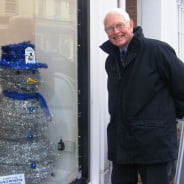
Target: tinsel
13 56
18 121
19 65
16 80
15 52
19 96
24 116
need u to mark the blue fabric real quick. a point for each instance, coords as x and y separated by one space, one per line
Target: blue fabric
19 96
13 57
15 52
19 65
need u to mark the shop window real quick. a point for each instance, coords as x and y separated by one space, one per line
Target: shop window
40 8
51 25
58 9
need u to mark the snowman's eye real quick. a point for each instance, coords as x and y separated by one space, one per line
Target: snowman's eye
17 72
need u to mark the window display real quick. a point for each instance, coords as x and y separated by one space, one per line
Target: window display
52 27
24 116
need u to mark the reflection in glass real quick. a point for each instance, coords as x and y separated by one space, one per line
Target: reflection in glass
55 38
51 26
11 6
16 21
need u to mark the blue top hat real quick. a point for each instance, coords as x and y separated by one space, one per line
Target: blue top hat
20 56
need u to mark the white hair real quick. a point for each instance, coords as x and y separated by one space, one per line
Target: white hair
119 11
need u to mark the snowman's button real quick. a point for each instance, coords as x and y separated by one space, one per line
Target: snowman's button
31 109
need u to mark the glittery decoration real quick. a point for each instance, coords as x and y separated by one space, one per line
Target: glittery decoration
33 166
23 146
19 65
13 56
19 96
15 52
31 109
31 81
30 137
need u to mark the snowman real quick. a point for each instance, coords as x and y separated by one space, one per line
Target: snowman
24 116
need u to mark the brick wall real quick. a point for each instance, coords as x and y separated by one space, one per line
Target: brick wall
131 8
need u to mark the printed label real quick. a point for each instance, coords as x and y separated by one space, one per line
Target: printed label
13 179
29 55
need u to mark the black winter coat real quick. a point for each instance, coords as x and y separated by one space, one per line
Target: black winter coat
145 97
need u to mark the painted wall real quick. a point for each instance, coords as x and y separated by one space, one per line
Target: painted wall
149 13
99 165
158 19
169 28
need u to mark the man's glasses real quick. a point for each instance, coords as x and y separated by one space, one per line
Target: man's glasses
118 26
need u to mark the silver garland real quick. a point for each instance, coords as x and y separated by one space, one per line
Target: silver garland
23 145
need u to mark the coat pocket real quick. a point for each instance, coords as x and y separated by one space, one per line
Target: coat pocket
148 123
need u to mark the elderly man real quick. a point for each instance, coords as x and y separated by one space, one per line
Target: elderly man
146 95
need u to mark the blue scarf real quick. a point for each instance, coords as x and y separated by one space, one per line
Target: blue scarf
19 96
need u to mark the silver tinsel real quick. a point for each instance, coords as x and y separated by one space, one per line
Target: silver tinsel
23 146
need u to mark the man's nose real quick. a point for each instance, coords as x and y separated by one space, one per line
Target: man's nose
115 29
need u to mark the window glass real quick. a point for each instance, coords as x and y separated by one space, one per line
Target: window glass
52 26
11 6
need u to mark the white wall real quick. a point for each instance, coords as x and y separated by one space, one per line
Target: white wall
169 28
99 165
149 13
180 8
158 19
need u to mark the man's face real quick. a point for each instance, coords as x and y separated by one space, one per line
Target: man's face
118 30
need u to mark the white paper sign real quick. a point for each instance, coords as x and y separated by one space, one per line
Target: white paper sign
30 55
13 179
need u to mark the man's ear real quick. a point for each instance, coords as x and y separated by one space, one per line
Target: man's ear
131 23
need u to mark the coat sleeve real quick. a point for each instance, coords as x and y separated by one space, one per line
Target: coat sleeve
171 69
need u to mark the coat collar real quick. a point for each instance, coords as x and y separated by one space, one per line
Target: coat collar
111 49
132 50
